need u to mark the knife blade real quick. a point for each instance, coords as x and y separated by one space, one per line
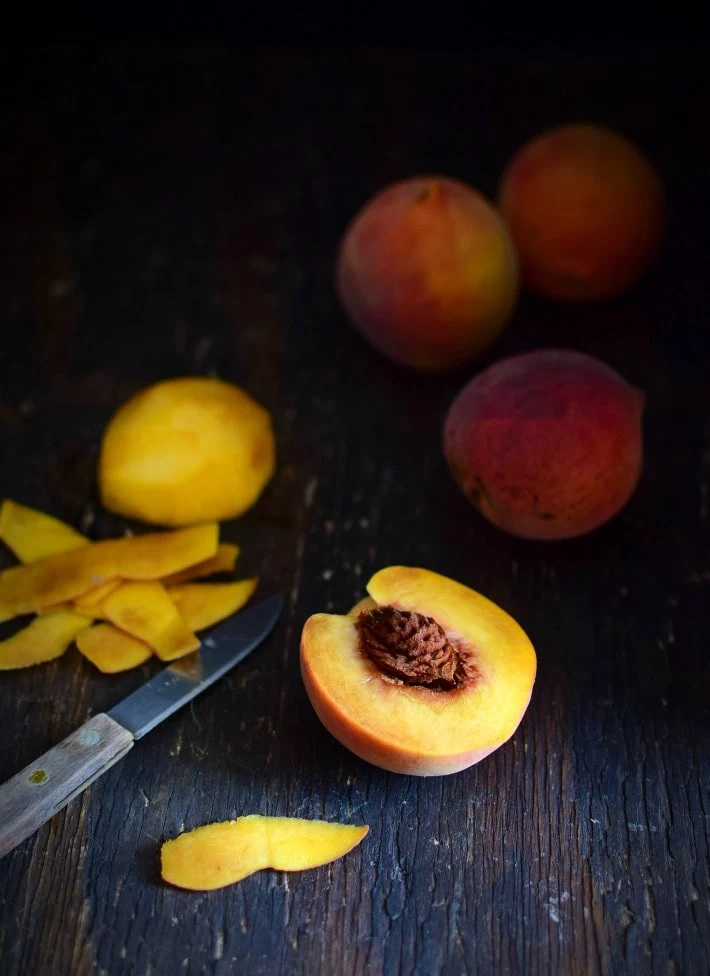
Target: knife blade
32 797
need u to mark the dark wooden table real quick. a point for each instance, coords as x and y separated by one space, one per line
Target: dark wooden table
176 213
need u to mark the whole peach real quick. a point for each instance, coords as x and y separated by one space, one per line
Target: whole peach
427 272
585 209
548 444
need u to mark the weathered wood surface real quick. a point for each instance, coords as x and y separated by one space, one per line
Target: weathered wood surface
36 793
178 213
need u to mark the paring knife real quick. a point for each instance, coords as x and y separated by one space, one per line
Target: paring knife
34 795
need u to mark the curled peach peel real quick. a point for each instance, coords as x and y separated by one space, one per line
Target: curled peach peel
203 604
44 639
91 601
223 561
145 611
111 650
68 575
220 854
34 535
212 596
199 605
184 451
429 682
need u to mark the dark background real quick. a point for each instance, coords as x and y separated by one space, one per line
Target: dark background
171 204
600 29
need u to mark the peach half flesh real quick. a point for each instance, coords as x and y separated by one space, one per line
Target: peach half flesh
427 677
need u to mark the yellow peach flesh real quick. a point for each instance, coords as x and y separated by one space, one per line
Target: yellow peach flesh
184 451
367 603
413 729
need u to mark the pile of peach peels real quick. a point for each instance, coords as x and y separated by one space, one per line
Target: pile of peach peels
120 600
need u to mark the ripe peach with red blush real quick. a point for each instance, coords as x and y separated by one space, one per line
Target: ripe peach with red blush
585 208
548 444
427 272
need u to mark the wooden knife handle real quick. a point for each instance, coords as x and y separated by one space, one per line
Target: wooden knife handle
33 796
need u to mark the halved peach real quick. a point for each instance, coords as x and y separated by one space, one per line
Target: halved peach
429 681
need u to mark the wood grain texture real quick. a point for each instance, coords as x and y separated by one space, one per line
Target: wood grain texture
185 210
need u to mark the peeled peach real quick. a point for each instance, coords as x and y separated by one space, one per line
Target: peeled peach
427 272
186 451
547 445
585 209
427 679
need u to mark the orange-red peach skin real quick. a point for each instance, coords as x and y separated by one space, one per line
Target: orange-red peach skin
427 272
586 211
547 445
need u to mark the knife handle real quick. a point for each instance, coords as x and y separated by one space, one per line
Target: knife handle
31 797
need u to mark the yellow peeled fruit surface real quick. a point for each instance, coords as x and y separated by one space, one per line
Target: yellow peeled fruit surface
185 451
220 854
